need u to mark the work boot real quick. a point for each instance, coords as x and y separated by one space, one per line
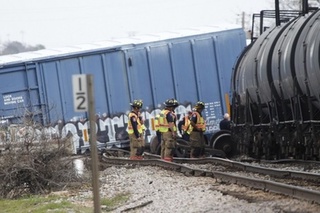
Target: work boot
134 158
169 159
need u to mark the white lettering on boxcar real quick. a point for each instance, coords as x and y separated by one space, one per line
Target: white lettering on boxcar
10 99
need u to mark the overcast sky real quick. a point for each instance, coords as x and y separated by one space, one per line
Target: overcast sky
68 22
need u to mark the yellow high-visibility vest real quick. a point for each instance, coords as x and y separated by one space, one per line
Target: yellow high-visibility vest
163 123
155 123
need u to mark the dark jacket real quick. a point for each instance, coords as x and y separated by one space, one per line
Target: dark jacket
225 124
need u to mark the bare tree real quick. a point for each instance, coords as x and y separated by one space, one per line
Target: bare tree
14 47
33 163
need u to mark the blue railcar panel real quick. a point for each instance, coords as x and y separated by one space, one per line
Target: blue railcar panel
183 66
116 81
33 89
32 78
51 91
206 68
13 80
190 68
65 69
93 64
20 92
140 77
60 95
227 54
160 66
209 90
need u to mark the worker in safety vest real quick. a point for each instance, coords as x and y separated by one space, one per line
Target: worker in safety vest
184 126
135 131
196 130
168 129
156 128
142 123
141 118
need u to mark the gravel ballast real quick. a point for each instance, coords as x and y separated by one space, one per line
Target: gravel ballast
154 189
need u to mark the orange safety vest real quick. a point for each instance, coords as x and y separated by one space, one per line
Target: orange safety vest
139 126
186 124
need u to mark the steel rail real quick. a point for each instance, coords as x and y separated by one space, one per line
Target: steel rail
279 173
266 185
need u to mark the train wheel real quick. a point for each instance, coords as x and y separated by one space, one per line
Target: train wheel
154 145
183 149
222 140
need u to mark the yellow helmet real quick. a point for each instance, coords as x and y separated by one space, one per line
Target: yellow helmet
175 102
137 103
171 103
200 105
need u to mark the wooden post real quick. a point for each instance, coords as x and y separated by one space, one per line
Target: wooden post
93 145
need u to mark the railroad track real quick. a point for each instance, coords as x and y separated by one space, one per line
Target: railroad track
187 167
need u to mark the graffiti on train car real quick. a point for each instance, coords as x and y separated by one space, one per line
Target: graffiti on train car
112 131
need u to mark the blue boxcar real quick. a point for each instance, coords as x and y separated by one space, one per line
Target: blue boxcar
192 67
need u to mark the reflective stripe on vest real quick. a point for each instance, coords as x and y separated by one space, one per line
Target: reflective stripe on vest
156 122
139 126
